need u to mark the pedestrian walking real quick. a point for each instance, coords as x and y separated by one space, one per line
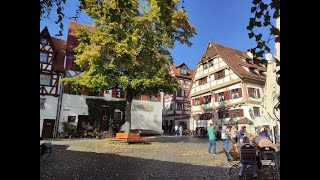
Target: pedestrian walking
242 132
225 137
212 139
180 130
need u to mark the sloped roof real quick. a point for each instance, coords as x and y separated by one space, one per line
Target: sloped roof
176 72
60 46
234 58
72 41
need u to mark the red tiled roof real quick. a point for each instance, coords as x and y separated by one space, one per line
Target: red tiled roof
176 72
72 41
60 47
234 58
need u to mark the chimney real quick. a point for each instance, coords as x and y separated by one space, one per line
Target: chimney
269 58
249 53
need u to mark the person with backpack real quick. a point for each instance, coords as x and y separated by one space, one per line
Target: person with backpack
225 137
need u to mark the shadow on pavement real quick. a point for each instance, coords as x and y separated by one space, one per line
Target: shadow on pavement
68 164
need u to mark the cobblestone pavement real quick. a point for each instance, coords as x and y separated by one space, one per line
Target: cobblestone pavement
165 158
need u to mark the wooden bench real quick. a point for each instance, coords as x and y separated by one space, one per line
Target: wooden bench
123 137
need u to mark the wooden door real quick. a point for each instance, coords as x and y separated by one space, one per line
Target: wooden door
47 128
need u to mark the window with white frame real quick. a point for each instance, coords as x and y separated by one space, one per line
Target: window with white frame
42 102
210 63
45 79
236 113
225 114
205 66
234 93
180 93
196 101
183 71
72 118
256 111
253 92
220 74
207 116
179 106
43 57
221 96
207 99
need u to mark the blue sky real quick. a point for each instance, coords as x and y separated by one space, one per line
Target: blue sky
220 21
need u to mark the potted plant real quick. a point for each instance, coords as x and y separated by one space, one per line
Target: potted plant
97 132
69 129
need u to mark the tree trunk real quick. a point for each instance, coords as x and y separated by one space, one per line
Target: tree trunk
127 124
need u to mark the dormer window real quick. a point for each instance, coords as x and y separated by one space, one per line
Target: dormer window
253 71
262 73
210 63
183 71
205 66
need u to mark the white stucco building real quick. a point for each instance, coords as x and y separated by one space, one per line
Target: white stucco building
146 111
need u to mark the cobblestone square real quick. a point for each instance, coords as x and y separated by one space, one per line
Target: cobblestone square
165 158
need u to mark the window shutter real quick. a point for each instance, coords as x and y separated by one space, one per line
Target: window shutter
240 92
223 73
211 115
114 92
249 92
201 116
201 100
205 79
215 76
101 93
209 99
258 92
216 97
241 112
227 95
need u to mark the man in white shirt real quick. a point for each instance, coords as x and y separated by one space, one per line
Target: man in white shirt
176 129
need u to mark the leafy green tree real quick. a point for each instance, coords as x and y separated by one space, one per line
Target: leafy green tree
262 17
128 47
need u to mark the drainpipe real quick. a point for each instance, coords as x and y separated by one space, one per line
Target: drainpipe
56 125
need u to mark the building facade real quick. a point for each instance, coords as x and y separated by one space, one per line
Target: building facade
227 89
146 112
177 106
52 54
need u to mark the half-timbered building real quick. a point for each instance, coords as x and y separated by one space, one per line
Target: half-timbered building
227 88
52 54
177 105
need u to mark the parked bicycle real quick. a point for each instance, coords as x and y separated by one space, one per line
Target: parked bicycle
45 150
